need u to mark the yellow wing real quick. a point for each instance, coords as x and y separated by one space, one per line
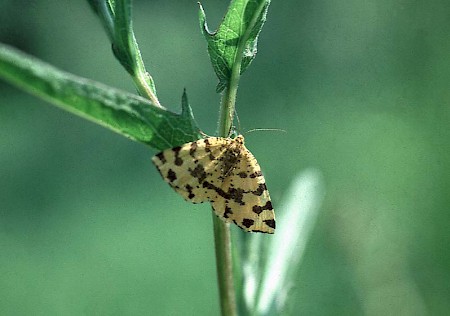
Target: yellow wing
225 173
247 201
186 167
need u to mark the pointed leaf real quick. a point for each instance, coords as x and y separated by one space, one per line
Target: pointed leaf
296 220
234 44
124 113
116 19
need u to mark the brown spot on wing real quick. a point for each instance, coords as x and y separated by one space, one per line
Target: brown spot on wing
178 161
161 157
193 149
171 175
199 173
258 209
260 190
270 223
247 222
189 189
256 174
227 212
232 194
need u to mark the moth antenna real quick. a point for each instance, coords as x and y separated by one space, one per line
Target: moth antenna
266 130
237 120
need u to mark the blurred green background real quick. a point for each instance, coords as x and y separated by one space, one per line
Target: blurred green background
362 87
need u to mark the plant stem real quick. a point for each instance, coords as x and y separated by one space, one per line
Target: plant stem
222 238
222 235
229 98
142 83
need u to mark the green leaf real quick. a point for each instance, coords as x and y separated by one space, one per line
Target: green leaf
116 19
104 10
124 113
296 220
234 44
124 45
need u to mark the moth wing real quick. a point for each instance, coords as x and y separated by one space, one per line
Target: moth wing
186 167
250 206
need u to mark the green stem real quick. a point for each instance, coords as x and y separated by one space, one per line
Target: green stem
222 236
141 81
222 239
229 101
229 96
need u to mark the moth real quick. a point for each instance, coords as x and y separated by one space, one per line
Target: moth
223 172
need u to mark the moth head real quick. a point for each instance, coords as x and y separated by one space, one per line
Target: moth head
239 140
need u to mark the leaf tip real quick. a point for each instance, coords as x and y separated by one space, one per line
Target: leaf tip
202 20
186 110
